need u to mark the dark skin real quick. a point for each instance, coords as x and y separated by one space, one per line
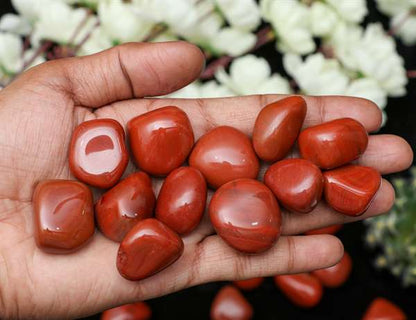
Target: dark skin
38 113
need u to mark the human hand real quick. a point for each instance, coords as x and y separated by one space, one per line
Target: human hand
38 113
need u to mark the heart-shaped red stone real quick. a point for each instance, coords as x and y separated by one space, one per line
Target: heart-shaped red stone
246 215
182 198
350 189
63 215
229 304
277 126
333 144
147 249
296 183
249 284
119 209
303 289
336 275
161 140
383 309
224 154
98 155
133 311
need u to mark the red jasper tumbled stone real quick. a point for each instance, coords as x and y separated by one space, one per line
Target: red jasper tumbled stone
147 249
303 289
333 144
230 304
161 140
119 209
326 230
277 126
336 275
246 215
249 284
63 215
224 154
98 155
351 189
133 311
296 183
182 198
383 309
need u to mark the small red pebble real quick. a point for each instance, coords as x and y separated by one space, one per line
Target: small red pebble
303 289
182 198
161 140
383 309
336 275
277 126
246 215
296 183
327 230
133 311
230 304
119 209
333 144
148 248
351 189
249 284
63 215
98 155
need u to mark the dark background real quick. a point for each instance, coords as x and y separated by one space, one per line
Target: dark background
365 283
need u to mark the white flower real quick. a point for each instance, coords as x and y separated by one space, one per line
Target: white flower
369 89
252 75
323 19
121 22
407 30
233 42
290 20
14 23
351 10
30 9
242 14
317 75
210 89
98 41
10 53
394 7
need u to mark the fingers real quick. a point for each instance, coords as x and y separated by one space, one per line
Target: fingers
323 215
128 71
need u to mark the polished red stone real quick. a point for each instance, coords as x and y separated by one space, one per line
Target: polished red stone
327 230
98 155
296 183
333 144
119 209
224 154
383 309
351 189
249 284
230 304
182 198
147 249
63 215
277 126
336 275
161 140
246 215
133 311
303 289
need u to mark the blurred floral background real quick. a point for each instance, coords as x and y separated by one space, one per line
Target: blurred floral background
316 47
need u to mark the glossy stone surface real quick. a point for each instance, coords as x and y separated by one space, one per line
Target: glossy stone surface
224 154
161 140
303 289
383 309
327 230
147 249
277 126
249 284
333 144
246 215
119 209
98 155
133 311
230 304
63 215
351 189
296 183
337 275
182 198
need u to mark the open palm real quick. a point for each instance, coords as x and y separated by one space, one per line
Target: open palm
38 113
